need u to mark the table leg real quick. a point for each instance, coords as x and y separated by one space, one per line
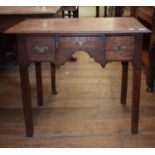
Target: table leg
26 97
135 100
39 83
150 81
53 79
124 82
150 70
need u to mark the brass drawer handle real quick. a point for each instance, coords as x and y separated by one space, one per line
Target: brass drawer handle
120 49
41 49
80 41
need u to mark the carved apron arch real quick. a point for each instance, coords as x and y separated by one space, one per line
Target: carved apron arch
68 45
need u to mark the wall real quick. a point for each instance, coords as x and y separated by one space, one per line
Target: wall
90 11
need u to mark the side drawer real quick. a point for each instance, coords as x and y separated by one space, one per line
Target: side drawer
40 48
119 47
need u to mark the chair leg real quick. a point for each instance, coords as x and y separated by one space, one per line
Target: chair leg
69 14
63 13
124 82
53 79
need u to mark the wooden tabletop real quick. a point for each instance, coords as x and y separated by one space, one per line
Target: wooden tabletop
7 10
80 25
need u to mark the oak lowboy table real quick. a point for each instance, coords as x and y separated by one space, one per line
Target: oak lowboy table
56 40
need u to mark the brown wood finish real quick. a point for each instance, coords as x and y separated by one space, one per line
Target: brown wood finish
114 43
124 84
146 15
26 95
40 48
122 25
76 34
137 65
8 10
25 87
10 15
135 100
68 45
53 79
39 83
89 117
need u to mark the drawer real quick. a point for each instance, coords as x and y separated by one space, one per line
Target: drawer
40 48
89 42
68 45
119 47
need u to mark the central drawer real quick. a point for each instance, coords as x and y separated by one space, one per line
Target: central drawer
40 48
68 45
88 42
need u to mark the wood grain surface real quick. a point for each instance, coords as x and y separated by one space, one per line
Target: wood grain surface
9 10
80 25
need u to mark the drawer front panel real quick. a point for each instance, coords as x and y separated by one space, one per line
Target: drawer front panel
119 47
40 48
80 42
68 45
